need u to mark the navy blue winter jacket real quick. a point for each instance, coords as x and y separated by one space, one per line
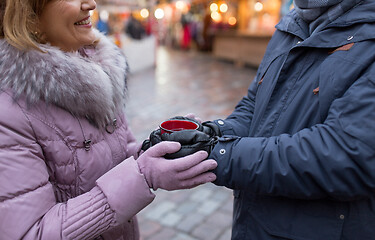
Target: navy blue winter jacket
299 149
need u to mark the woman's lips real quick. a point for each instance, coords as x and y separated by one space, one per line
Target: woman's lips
84 22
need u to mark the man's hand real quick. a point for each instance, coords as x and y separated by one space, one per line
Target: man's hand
204 138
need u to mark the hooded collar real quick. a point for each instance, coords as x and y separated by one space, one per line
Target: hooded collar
89 83
319 14
310 10
362 12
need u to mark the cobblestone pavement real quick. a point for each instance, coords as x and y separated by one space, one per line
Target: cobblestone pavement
185 82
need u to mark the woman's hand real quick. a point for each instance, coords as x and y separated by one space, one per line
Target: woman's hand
180 173
192 115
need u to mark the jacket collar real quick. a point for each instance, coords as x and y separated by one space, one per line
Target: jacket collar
88 84
330 36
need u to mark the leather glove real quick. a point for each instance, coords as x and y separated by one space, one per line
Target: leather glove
155 136
191 141
181 173
204 138
211 129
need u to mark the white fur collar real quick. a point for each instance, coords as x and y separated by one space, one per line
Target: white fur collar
91 86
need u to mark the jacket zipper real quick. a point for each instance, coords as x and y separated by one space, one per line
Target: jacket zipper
86 142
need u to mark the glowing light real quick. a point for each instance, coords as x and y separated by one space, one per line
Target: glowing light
214 7
104 15
232 21
180 5
144 13
168 12
216 16
159 13
223 7
258 6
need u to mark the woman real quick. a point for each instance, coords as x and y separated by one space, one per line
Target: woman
67 156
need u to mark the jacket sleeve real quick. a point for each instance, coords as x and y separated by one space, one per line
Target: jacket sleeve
239 121
334 159
28 208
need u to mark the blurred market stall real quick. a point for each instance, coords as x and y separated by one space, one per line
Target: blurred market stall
236 30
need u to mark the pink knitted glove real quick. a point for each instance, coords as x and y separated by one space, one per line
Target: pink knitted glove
192 115
180 173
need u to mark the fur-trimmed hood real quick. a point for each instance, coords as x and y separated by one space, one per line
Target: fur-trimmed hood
90 83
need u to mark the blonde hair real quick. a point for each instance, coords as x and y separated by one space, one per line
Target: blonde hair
19 21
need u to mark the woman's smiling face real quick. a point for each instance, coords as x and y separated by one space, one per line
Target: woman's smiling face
66 23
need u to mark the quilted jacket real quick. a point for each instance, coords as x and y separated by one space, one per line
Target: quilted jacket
67 154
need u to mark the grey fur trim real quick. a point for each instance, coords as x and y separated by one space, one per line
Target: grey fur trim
91 86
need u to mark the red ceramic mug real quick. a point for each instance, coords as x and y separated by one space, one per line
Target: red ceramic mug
175 125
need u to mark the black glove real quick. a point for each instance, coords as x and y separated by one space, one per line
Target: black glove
155 136
211 129
204 138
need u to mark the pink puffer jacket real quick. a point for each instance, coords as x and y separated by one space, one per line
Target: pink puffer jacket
67 155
